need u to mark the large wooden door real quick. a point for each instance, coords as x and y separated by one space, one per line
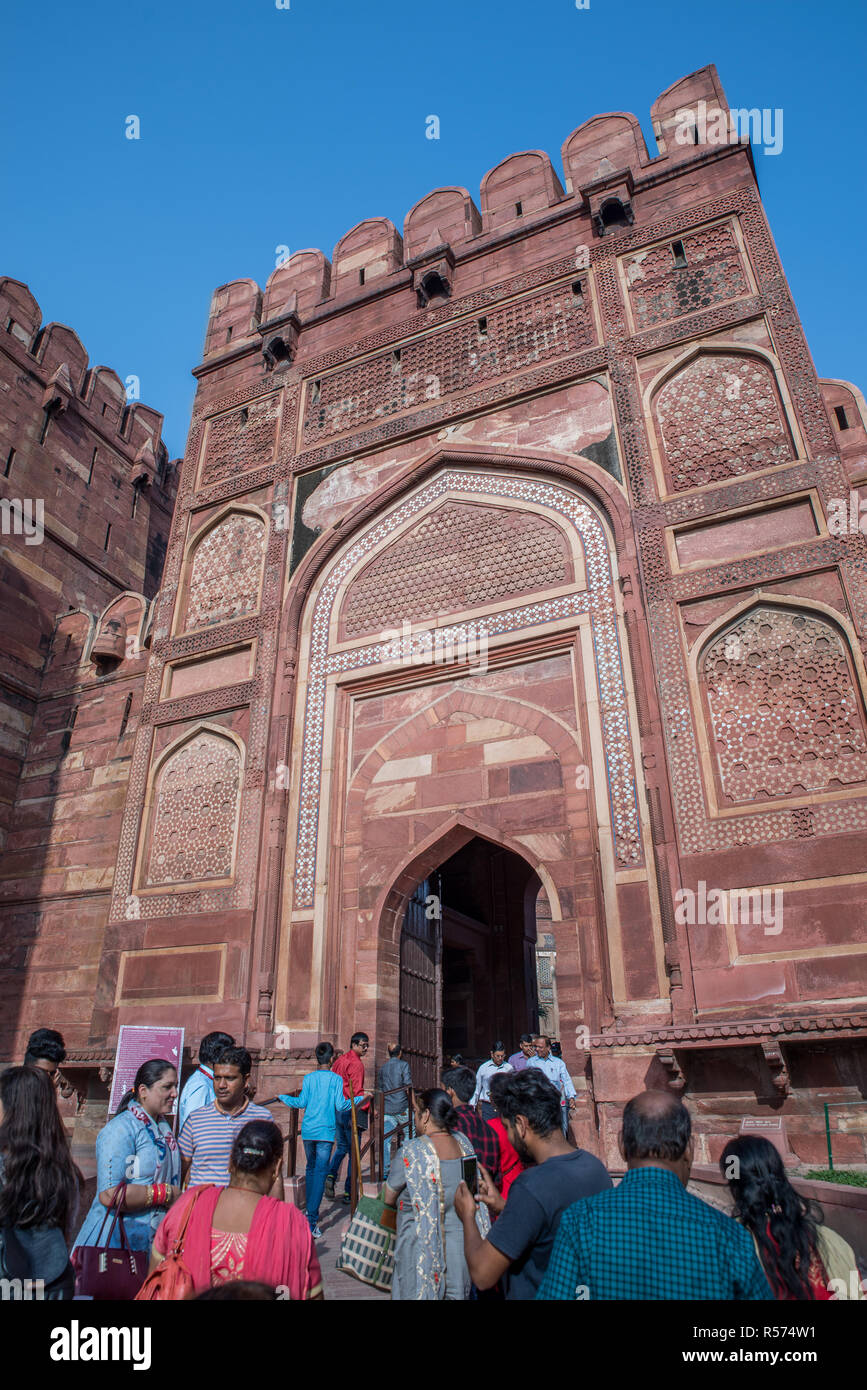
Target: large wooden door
421 986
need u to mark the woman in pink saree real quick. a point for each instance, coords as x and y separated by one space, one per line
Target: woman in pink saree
239 1232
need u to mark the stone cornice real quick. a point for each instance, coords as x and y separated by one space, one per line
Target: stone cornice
795 1028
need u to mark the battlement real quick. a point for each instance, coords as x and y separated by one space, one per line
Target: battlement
57 358
605 164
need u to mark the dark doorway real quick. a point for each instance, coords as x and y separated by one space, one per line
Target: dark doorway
468 959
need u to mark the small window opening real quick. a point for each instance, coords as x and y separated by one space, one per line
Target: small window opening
361 276
842 421
11 325
483 328
107 537
125 717
135 496
315 392
10 458
90 470
245 415
577 291
68 643
679 254
228 335
614 214
46 421
395 358
519 209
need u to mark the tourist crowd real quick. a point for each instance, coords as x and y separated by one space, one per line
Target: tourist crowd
488 1195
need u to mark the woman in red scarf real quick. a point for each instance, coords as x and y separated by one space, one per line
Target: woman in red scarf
239 1232
802 1258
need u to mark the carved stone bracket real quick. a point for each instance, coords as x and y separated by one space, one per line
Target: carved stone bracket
773 1055
676 1077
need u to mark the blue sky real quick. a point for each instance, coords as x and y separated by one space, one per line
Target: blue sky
262 127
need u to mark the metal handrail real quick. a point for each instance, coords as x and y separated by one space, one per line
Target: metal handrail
374 1146
835 1105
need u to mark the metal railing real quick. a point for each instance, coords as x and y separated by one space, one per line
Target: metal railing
373 1149
838 1105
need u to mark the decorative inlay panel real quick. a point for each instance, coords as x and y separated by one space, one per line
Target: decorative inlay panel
719 416
659 290
226 571
195 811
460 556
597 600
455 358
240 439
785 710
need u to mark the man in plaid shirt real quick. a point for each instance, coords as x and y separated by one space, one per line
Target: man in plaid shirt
459 1083
648 1237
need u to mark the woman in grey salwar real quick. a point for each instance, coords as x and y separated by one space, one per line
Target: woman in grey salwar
429 1259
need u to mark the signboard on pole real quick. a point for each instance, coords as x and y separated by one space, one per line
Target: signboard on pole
139 1044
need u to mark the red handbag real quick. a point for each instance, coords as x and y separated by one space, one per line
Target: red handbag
109 1274
172 1280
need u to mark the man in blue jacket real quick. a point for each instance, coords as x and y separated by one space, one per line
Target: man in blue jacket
321 1099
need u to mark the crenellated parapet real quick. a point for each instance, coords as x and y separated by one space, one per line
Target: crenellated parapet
606 170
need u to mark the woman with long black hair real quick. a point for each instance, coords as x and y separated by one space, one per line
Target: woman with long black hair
137 1147
38 1184
801 1257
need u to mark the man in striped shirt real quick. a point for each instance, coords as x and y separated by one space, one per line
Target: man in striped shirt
208 1134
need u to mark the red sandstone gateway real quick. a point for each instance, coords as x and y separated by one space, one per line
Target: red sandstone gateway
500 607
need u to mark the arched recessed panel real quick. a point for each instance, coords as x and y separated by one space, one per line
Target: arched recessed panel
460 556
718 417
785 711
225 571
195 812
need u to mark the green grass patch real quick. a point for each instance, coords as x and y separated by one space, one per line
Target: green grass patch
842 1175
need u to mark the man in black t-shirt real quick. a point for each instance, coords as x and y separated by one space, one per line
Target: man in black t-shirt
522 1236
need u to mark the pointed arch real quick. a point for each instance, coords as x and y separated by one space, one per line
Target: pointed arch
440 845
321 660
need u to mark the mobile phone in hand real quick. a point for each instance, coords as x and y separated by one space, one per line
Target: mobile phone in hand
470 1173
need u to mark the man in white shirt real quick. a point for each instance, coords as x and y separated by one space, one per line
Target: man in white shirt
199 1088
555 1070
497 1066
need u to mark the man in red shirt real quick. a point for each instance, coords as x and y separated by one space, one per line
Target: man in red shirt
350 1067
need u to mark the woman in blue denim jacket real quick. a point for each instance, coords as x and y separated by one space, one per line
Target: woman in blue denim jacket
138 1147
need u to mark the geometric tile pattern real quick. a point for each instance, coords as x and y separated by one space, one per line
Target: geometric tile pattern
597 600
195 810
453 358
225 572
240 439
458 557
719 416
786 713
661 291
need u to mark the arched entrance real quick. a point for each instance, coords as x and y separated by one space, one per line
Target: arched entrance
467 958
462 670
